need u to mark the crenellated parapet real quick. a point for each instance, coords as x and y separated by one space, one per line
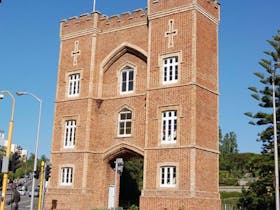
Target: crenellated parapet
212 7
75 24
85 22
122 20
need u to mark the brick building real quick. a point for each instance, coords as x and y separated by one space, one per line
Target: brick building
143 84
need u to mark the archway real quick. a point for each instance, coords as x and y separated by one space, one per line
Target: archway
129 182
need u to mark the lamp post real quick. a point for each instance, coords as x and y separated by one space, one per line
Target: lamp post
276 168
37 143
8 151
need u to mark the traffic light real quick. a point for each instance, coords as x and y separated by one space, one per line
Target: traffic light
36 174
14 162
48 172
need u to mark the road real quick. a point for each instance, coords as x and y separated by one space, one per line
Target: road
24 203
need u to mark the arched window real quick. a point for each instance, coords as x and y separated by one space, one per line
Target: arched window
127 80
125 123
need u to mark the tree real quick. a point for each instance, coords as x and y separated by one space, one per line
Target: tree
2 154
228 168
228 147
131 182
228 144
260 194
44 158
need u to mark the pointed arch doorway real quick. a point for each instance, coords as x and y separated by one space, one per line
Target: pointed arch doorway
128 184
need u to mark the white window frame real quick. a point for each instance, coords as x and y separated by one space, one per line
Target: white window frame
170 69
74 84
168 176
125 121
70 133
169 127
127 71
66 176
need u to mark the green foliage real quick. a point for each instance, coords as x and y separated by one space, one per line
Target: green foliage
229 181
26 167
233 165
260 194
231 198
135 168
133 207
248 114
99 209
107 209
228 144
225 195
44 158
131 182
2 151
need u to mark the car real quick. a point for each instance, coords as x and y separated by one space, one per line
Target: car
22 192
36 192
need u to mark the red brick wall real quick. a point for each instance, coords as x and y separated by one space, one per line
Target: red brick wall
107 45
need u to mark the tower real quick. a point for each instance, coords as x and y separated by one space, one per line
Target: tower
138 85
182 104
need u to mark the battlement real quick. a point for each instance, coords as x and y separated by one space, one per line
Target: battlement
211 6
214 2
86 21
74 24
124 19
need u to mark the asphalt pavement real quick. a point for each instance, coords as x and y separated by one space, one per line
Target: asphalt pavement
24 203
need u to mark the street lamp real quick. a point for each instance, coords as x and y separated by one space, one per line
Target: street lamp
8 151
37 143
276 168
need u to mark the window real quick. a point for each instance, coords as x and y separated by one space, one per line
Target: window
127 80
170 70
66 176
125 122
169 127
74 85
70 133
168 176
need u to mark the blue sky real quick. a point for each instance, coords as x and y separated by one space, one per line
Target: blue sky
29 48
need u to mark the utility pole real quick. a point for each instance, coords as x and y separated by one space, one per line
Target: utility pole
8 151
42 179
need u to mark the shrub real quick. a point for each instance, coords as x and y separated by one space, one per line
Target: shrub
120 208
133 207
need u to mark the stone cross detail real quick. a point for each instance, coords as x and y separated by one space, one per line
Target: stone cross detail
75 53
170 33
